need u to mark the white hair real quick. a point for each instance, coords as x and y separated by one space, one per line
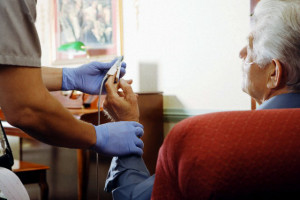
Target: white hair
276 35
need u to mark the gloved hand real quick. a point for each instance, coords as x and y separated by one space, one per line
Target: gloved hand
87 78
119 138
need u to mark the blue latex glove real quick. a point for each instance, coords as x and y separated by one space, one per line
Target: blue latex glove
87 78
119 138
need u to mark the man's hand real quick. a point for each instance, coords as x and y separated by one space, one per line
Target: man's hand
87 78
119 139
122 106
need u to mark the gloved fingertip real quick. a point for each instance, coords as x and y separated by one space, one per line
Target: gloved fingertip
124 65
122 72
139 131
138 151
139 143
140 125
136 124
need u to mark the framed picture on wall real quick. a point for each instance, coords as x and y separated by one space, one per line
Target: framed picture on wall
86 29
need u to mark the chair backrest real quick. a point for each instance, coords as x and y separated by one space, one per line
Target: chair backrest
231 155
11 186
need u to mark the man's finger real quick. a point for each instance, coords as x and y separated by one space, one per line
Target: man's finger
111 79
111 87
121 94
129 81
126 88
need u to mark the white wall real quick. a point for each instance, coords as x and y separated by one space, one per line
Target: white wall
187 49
194 46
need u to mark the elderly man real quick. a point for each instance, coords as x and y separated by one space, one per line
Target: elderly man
271 75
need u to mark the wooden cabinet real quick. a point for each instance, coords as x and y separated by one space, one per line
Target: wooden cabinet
151 116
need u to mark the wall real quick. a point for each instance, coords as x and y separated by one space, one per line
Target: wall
194 47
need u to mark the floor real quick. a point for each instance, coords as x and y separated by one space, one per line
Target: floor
62 175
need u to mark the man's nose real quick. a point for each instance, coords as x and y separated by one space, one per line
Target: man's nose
243 53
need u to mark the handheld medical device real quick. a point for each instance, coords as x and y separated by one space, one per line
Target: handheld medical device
115 69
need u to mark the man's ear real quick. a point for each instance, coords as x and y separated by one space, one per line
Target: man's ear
275 74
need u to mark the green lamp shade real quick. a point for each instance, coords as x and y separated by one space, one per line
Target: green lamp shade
72 46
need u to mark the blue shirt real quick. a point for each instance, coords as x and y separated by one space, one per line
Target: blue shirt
289 100
129 179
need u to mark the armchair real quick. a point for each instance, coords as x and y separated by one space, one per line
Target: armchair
231 155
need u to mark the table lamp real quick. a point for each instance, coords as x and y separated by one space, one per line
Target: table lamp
73 48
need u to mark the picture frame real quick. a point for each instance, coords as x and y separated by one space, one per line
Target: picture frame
85 30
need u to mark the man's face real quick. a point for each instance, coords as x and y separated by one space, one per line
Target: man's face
254 77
